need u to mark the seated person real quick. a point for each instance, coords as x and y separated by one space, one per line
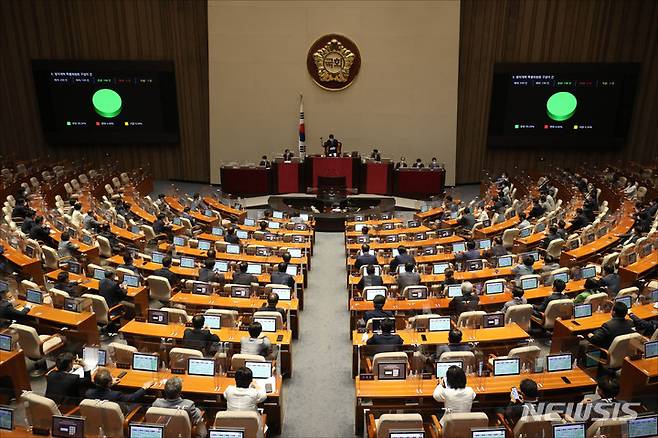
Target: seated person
172 399
198 337
206 274
611 281
365 258
39 231
162 225
523 221
245 395
89 222
557 294
63 284
591 287
270 306
375 155
618 325
21 209
128 263
386 338
580 221
497 249
370 279
517 298
401 163
62 385
465 303
28 223
401 259
646 327
280 276
449 278
453 392
418 164
467 221
255 343
537 210
551 236
287 155
528 394
454 343
8 312
524 268
243 277
264 162
231 237
470 254
408 277
102 390
378 302
113 292
605 406
165 271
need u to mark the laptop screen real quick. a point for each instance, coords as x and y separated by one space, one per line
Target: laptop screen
284 293
5 342
570 430
439 324
564 276
68 427
260 370
179 241
273 225
250 222
525 232
200 367
34 296
484 244
156 257
644 426
497 287
99 273
582 310
158 316
533 254
240 291
145 362
489 432
558 362
588 272
372 292
442 367
392 371
233 249
406 434
204 245
220 266
254 268
454 290
291 270
507 367
458 247
439 268
217 231
295 252
242 234
146 431
187 262
226 432
628 300
493 320
268 324
213 321
94 357
530 283
505 261
650 349
201 288
131 280
6 418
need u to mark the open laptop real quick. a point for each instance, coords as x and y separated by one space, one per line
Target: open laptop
643 426
558 362
137 430
569 430
488 432
226 432
6 418
6 342
145 362
200 367
68 427
268 324
506 367
442 367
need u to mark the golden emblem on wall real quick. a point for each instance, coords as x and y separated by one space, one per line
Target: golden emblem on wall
333 62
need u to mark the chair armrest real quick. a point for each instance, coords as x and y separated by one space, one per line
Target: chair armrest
128 418
372 426
263 422
118 307
368 363
73 411
435 427
503 421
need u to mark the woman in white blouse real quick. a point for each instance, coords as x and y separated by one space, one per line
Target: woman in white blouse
453 392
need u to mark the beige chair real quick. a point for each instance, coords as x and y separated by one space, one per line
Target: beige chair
557 309
122 353
40 410
177 316
520 314
238 360
149 234
408 290
509 235
178 421
386 423
271 314
58 297
178 357
621 347
628 292
50 257
37 347
467 357
104 247
609 427
609 259
229 318
471 319
105 414
597 300
539 425
459 424
654 337
248 420
422 321
527 355
386 358
159 288
104 315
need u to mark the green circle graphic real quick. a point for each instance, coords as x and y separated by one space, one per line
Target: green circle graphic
107 103
561 106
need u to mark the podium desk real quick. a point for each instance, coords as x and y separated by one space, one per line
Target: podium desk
378 179
321 166
288 176
246 180
418 183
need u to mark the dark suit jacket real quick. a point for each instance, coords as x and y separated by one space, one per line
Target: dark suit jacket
27 225
282 278
603 337
232 238
40 233
166 273
385 343
365 260
465 303
111 291
613 284
208 275
544 304
370 280
377 313
199 339
244 278
62 386
401 259
98 393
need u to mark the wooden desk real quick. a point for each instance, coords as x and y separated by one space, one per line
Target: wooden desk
394 231
92 253
639 269
196 302
208 221
387 395
639 379
429 214
200 387
374 222
145 331
496 228
566 329
30 267
12 365
227 210
280 231
202 254
145 215
407 243
82 325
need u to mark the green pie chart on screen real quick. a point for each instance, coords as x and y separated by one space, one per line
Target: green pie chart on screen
561 106
107 103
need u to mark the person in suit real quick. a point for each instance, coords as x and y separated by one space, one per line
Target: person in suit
580 221
370 279
162 225
497 249
231 237
611 280
517 299
40 231
280 276
386 341
172 399
401 164
645 326
270 305
89 222
113 292
28 223
418 164
402 258
264 162
206 274
102 390
551 236
449 278
242 277
434 164
128 263
255 343
470 254
557 294
524 268
21 209
467 220
7 310
365 258
331 146
454 343
165 271
375 155
199 337
617 326
378 312
467 302
62 384
408 277
287 155
63 284
562 230
528 394
66 248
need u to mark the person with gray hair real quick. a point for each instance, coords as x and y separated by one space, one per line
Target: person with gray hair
467 302
173 400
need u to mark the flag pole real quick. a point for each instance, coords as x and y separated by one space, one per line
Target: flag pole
302 130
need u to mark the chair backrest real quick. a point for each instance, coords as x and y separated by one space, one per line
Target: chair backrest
628 291
597 300
467 357
229 318
159 288
388 357
177 316
122 353
104 246
29 340
519 314
178 421
271 314
509 235
609 259
460 423
527 355
238 359
554 248
623 346
50 257
471 319
609 427
102 413
422 321
557 309
100 308
247 420
149 234
41 410
178 357
536 425
394 422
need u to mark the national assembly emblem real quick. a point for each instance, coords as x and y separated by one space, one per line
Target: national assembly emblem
333 62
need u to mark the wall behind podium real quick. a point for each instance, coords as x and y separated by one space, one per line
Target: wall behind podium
404 100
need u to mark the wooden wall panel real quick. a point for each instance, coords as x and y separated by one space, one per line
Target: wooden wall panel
101 29
552 31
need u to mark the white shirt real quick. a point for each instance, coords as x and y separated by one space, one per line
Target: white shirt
455 400
244 399
483 216
77 218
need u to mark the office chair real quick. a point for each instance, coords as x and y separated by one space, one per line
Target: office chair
471 319
467 357
40 410
520 314
238 359
556 309
178 357
177 421
37 347
121 353
608 427
229 318
387 357
509 235
622 346
531 425
459 424
177 316
254 425
106 414
382 426
159 288
554 248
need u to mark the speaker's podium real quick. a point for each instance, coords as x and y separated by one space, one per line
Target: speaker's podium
346 166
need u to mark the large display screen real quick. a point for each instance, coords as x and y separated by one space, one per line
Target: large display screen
91 102
568 105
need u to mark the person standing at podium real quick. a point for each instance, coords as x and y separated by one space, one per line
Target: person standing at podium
287 155
331 147
418 164
375 155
